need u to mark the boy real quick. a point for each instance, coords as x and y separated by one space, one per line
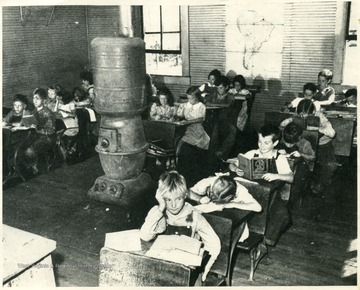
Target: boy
224 131
309 91
301 151
175 216
45 130
326 93
19 110
278 215
216 193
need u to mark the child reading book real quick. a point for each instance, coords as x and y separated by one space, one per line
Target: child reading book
278 214
175 216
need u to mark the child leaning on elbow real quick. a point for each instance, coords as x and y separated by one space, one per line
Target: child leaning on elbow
175 216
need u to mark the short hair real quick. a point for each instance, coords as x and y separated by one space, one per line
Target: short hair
87 76
223 80
292 133
306 106
57 88
42 93
172 182
21 98
80 92
270 130
241 80
227 190
328 74
351 92
166 92
216 73
194 91
310 86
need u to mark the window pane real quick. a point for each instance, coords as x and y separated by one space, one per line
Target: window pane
353 19
164 64
170 18
151 18
171 41
152 41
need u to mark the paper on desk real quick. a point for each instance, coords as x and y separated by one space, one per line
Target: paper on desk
125 241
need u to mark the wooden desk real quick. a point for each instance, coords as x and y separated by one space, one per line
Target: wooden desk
134 269
27 259
13 141
169 132
344 127
235 220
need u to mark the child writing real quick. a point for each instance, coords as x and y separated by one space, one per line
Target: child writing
14 117
209 88
326 160
175 216
326 93
45 130
309 91
278 215
88 85
163 109
216 193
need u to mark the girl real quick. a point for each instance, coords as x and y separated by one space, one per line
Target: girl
55 99
163 108
45 130
240 93
209 88
192 149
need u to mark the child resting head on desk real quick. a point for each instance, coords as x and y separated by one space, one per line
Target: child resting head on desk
216 193
269 136
175 216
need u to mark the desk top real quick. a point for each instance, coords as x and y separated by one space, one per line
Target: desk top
22 249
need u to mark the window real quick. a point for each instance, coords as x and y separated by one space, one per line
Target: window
163 37
351 65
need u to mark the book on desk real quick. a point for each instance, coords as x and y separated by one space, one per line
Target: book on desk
255 167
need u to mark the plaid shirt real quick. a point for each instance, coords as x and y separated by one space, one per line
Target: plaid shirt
46 121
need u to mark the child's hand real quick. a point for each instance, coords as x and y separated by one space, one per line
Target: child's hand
160 198
33 126
270 177
295 154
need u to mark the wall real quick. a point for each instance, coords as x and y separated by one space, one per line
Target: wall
50 46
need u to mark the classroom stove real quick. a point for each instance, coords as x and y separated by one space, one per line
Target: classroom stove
118 65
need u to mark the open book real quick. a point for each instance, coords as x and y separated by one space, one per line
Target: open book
179 249
254 168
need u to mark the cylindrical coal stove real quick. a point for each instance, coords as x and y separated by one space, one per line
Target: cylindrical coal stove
118 65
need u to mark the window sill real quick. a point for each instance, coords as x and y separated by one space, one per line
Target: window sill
171 80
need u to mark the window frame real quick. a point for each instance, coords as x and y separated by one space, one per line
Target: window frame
184 44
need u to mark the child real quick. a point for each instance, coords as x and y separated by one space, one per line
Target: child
88 85
209 88
278 215
241 93
309 91
300 150
326 93
224 131
45 130
351 98
192 148
54 100
163 109
175 216
326 160
14 117
216 193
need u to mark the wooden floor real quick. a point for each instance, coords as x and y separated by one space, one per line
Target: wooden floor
312 252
